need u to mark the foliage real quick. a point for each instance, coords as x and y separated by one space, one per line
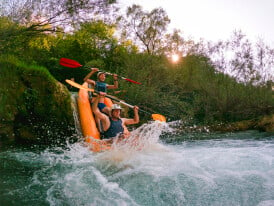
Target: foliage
197 88
31 96
194 90
147 27
242 59
49 15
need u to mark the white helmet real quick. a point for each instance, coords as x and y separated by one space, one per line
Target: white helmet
99 73
116 106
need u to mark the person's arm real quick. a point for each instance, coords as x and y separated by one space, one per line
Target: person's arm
86 79
135 119
104 118
115 84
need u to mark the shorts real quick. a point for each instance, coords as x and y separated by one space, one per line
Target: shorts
101 106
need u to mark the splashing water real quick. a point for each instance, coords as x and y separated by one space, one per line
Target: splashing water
141 140
229 171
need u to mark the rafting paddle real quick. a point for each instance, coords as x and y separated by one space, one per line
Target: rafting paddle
155 117
74 64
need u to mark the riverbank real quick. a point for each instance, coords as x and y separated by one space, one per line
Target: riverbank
34 106
265 124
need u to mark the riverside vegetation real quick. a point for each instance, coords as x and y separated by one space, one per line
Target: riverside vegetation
198 89
34 106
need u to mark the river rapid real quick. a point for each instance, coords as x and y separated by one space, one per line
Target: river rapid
177 169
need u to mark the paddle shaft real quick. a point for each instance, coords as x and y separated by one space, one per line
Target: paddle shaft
124 103
154 116
74 64
123 78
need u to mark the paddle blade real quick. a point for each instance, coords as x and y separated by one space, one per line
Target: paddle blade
130 80
69 63
158 117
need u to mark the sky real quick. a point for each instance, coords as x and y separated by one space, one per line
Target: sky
215 20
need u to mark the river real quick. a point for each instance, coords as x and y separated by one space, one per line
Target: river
204 169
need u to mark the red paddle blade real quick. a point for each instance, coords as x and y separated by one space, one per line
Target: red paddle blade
69 63
130 80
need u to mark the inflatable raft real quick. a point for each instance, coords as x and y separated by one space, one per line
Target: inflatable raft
87 120
88 123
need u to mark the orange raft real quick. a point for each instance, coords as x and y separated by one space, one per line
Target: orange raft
87 121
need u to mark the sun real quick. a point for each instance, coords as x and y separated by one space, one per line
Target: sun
175 58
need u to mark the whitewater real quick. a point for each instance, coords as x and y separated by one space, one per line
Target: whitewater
161 168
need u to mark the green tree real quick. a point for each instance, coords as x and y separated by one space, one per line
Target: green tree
147 28
95 39
49 15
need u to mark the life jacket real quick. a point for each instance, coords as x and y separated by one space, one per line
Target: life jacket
101 87
115 128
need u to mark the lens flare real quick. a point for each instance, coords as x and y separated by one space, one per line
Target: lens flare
175 58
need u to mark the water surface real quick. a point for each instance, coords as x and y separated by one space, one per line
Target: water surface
218 169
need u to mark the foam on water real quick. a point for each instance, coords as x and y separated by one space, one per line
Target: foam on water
144 171
141 141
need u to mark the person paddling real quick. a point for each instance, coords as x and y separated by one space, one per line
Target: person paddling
113 125
101 86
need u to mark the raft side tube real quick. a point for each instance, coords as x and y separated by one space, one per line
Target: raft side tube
87 121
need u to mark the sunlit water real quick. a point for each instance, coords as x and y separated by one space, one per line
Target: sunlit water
230 169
